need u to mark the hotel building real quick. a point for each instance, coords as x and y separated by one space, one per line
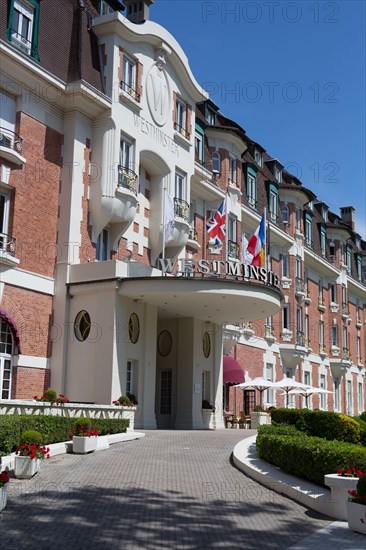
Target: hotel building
112 159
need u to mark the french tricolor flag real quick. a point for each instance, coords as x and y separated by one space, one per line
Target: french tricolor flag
255 253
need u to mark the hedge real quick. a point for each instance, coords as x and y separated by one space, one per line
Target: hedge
306 456
328 425
53 428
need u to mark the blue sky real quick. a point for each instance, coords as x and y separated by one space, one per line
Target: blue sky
292 74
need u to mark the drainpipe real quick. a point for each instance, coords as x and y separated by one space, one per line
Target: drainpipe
80 47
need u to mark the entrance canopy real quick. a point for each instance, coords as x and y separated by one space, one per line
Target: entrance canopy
233 373
220 301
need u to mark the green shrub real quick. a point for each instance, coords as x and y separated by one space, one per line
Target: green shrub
132 397
124 400
363 416
53 428
362 426
328 425
306 456
32 437
51 394
82 421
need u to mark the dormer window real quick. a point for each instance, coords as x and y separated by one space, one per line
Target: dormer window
258 157
277 172
332 249
325 213
232 170
285 215
211 117
105 8
216 163
22 30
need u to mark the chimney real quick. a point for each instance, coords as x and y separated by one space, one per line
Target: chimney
348 216
138 11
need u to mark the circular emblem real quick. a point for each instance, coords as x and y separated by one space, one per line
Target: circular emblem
206 344
164 343
82 325
158 95
134 328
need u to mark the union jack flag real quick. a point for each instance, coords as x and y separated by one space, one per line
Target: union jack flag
216 225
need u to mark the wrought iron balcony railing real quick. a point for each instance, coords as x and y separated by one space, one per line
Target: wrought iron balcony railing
181 208
300 338
193 235
7 244
273 217
130 90
300 286
252 202
233 249
182 130
346 354
128 179
309 242
11 140
22 43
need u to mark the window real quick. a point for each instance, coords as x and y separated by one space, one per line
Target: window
6 352
349 260
6 242
298 218
180 116
105 8
320 290
334 335
336 395
307 378
298 267
286 316
128 83
345 338
359 267
332 249
258 157
233 248
325 213
349 397
299 325
285 215
211 117
269 376
126 153
306 330
198 144
277 173
333 293
273 206
323 243
181 207
102 251
308 230
358 348
252 190
23 26
232 170
360 397
216 163
321 335
285 266
322 385
344 295
129 377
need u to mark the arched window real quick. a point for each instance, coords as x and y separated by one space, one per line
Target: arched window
6 353
216 163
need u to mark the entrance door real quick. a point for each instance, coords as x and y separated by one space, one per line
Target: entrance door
164 412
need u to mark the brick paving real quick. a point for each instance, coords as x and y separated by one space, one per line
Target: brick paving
171 489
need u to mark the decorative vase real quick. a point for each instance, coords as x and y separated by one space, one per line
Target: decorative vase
26 467
84 445
356 516
3 496
259 419
339 486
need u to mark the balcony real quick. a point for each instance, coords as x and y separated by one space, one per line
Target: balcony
308 345
7 250
129 92
358 322
321 304
233 249
340 365
359 362
20 41
193 238
181 208
322 351
345 313
269 333
128 179
346 357
300 338
248 329
307 298
300 289
335 350
286 335
293 354
11 146
252 203
334 308
182 131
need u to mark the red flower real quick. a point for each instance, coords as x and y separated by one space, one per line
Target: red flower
35 398
340 471
348 472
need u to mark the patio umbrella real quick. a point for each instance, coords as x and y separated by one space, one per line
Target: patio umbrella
288 384
260 384
308 392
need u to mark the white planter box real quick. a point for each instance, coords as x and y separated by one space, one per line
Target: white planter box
259 419
340 485
3 496
83 445
208 419
25 467
356 516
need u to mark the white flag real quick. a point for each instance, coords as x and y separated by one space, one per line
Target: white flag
246 257
169 217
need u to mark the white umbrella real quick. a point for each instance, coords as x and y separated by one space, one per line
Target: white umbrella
260 384
288 384
308 392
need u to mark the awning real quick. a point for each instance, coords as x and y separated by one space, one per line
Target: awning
11 322
233 373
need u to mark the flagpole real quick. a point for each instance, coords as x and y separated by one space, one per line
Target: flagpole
268 241
164 224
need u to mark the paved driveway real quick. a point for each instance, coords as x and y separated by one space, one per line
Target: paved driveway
171 489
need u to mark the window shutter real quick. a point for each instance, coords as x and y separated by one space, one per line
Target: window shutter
174 108
188 121
139 70
120 68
